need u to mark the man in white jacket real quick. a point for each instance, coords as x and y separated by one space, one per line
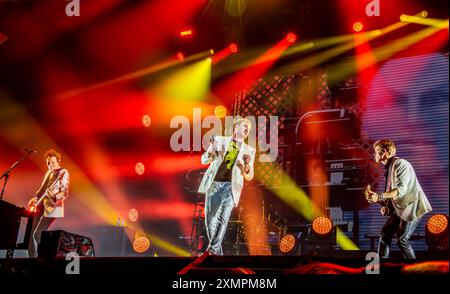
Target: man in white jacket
231 161
404 201
50 196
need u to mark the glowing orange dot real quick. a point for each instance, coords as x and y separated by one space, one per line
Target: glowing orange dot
322 226
437 224
358 26
291 37
233 47
139 168
141 244
133 215
287 243
179 56
220 111
146 121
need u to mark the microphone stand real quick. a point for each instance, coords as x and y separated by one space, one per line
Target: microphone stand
8 171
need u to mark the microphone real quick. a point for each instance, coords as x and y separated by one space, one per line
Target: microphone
29 151
212 140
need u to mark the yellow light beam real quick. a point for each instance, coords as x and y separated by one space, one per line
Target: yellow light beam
298 200
188 83
432 22
136 74
348 68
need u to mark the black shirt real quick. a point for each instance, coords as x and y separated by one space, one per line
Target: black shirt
226 168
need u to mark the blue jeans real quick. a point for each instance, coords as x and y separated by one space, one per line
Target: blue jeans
218 207
404 231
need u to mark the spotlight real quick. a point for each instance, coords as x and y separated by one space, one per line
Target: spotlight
436 232
287 244
291 38
322 226
186 33
321 238
358 26
179 56
403 17
139 168
141 244
133 215
233 48
146 121
424 14
220 111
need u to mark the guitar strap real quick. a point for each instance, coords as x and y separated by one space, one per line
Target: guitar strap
388 180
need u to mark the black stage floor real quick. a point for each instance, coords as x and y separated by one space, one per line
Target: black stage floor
346 262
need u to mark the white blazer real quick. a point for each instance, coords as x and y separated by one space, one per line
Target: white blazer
59 184
215 160
411 202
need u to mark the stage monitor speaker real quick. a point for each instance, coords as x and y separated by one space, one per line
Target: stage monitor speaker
57 244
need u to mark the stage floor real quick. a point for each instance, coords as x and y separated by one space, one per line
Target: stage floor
346 262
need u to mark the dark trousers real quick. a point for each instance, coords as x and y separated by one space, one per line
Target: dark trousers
40 224
403 230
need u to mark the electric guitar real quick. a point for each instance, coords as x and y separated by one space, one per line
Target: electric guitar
33 206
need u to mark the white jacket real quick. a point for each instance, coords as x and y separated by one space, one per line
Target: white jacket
237 178
411 202
58 185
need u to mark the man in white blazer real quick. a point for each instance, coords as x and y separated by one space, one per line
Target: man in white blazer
231 161
53 191
404 198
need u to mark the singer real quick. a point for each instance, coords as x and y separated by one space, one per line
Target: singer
231 161
48 203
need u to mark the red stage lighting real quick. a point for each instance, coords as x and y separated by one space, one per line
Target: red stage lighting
139 168
358 26
322 226
233 48
141 244
133 215
180 56
291 37
186 33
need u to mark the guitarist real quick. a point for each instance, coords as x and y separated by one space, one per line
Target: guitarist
404 200
48 203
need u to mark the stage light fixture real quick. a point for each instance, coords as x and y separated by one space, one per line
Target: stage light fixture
146 120
291 37
321 238
233 48
141 244
287 244
424 14
358 26
220 111
133 215
139 168
322 226
186 33
180 56
436 232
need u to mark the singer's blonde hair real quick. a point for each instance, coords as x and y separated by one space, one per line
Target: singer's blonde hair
241 120
386 145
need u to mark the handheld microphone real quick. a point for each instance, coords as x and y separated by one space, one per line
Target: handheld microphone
212 140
